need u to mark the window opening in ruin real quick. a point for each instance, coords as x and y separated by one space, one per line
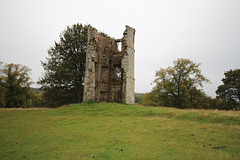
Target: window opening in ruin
118 74
119 44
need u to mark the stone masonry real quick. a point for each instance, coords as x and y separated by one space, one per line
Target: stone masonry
109 74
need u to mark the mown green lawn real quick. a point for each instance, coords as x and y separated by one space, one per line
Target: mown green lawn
118 131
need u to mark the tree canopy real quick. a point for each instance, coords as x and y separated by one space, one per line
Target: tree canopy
64 68
230 90
177 86
15 86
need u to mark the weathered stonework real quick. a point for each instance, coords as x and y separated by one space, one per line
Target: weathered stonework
109 74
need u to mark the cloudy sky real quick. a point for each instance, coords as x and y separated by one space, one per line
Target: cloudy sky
204 31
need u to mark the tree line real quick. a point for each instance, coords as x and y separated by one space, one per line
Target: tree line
63 80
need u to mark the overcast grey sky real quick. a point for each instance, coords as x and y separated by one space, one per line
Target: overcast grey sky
205 31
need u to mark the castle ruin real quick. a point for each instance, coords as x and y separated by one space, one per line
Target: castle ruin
109 74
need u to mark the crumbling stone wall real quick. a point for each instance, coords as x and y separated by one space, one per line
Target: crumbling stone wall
109 74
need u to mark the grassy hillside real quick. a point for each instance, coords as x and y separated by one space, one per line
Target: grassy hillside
118 131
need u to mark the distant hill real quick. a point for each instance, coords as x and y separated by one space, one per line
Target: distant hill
37 90
139 97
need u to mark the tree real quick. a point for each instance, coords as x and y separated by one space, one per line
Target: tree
15 84
177 86
230 90
151 99
63 78
2 88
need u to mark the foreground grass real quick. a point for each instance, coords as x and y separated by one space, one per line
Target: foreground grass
118 131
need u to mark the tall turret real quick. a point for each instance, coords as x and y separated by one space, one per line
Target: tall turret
128 65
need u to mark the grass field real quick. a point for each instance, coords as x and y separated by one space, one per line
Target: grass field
118 131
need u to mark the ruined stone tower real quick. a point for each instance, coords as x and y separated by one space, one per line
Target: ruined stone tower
109 74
